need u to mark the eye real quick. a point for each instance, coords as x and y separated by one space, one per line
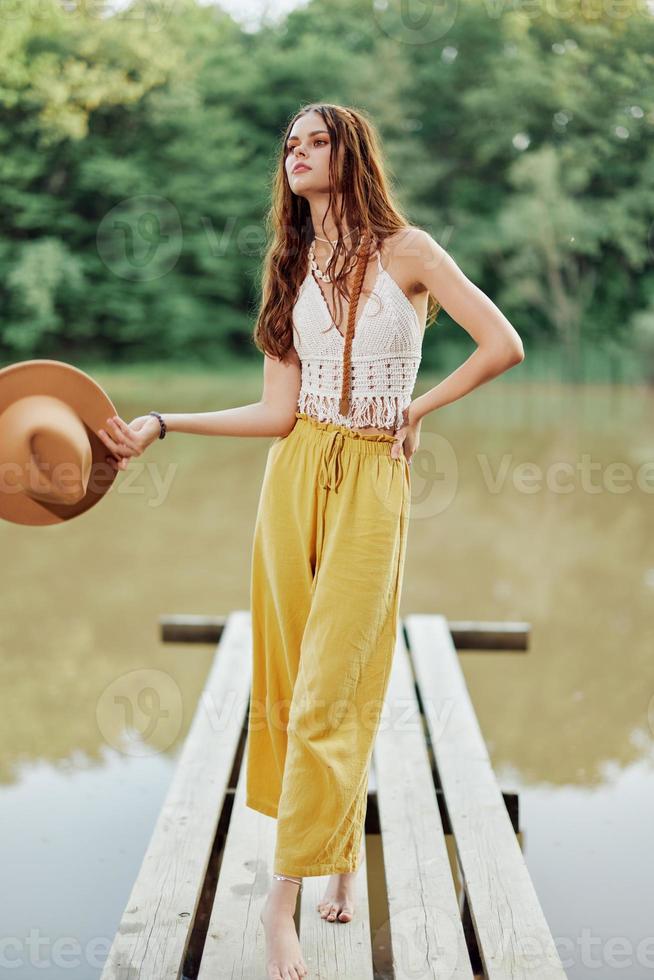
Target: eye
290 148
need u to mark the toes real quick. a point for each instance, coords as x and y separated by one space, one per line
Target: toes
333 910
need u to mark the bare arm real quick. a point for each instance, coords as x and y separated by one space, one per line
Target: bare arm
499 346
272 415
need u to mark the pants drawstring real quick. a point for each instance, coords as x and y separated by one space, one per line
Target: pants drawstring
329 477
332 455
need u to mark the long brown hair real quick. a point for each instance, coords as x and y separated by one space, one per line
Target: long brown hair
367 205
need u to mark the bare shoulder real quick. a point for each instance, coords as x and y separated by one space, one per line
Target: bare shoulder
404 254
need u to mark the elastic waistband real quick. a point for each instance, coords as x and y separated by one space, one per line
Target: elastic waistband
367 443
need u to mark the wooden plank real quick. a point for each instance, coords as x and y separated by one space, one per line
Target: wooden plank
235 943
333 950
186 628
154 931
513 936
426 932
481 635
466 634
235 947
510 797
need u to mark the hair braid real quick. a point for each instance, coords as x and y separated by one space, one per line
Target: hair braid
359 275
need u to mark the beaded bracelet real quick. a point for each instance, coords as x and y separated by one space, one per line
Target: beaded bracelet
162 424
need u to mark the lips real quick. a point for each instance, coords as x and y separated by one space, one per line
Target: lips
300 167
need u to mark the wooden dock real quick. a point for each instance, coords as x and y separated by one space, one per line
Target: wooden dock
450 896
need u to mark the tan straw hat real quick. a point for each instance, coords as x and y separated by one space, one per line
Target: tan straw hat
52 462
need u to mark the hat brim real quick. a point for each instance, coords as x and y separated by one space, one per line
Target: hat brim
94 407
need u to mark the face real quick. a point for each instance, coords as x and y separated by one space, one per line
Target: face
309 144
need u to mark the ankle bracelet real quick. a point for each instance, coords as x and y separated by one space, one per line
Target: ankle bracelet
298 881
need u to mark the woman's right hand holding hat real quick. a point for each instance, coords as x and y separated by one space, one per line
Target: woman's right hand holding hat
125 441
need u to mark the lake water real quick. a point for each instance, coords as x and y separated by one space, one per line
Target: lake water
530 502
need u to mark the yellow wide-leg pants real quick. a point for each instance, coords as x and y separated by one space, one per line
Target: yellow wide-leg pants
326 577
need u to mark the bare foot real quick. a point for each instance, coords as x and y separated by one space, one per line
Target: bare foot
283 954
338 899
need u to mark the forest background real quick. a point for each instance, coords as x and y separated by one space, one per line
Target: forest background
138 144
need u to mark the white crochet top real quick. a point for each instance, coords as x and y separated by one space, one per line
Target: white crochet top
385 356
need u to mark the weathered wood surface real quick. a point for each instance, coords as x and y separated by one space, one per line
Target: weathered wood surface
235 942
425 924
333 950
234 947
514 939
154 931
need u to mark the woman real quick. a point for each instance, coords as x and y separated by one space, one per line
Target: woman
330 533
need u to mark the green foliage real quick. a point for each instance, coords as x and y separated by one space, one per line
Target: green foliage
136 151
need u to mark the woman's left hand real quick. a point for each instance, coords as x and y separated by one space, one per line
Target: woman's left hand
407 437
